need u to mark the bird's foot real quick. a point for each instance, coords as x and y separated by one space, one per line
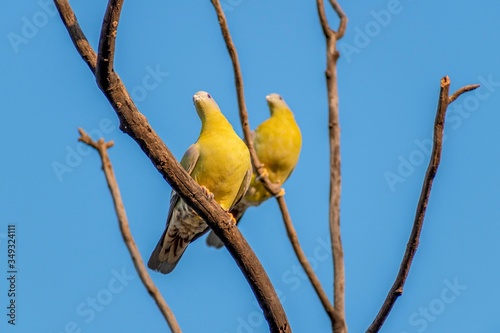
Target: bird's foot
207 193
281 193
263 173
233 220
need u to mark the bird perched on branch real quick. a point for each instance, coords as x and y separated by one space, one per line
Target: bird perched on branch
220 162
277 142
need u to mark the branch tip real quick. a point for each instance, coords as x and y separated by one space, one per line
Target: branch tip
445 81
413 241
462 90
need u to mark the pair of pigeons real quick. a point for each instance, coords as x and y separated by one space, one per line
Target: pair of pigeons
219 161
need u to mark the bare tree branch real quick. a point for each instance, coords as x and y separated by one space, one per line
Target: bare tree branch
137 127
332 56
292 235
462 90
324 21
102 148
274 189
107 42
342 17
77 36
412 245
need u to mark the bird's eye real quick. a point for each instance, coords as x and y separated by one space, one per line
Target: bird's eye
208 95
281 98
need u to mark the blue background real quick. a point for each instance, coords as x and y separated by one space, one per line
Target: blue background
74 272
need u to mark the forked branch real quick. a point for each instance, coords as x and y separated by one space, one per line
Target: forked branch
411 248
102 149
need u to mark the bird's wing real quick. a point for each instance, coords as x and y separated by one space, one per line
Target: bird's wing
188 162
190 158
178 244
237 211
245 183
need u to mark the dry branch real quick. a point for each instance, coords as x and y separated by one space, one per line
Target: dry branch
292 235
107 42
274 189
332 56
137 127
412 245
102 149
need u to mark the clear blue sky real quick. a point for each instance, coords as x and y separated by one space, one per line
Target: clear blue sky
73 270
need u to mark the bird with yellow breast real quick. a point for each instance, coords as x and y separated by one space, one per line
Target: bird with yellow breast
219 161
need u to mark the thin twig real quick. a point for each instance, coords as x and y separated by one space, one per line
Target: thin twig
292 235
77 36
412 245
462 90
102 148
259 168
342 18
332 56
137 127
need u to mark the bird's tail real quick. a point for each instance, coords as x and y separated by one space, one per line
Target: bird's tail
168 252
237 212
214 240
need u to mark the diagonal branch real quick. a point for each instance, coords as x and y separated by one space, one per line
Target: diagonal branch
332 56
259 168
102 149
292 235
137 127
462 90
77 36
412 245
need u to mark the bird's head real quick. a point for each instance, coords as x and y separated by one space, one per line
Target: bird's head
204 104
276 102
